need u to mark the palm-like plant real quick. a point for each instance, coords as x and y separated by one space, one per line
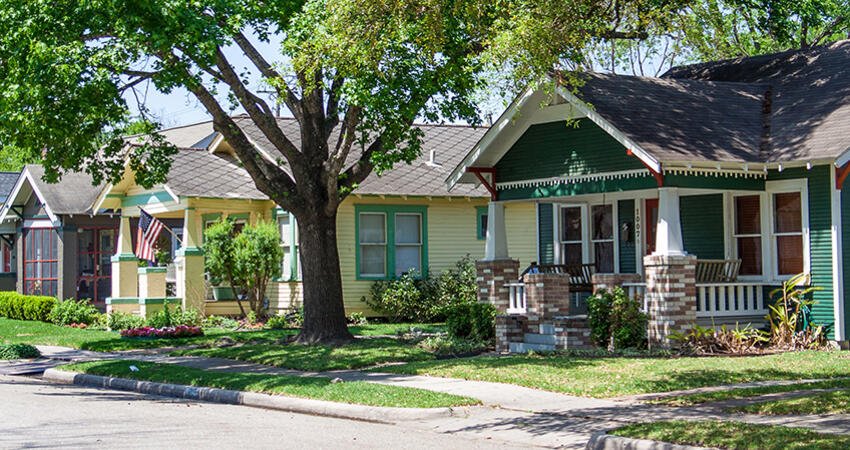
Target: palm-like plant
789 327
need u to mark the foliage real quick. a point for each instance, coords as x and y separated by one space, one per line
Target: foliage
789 317
277 323
73 312
444 345
248 261
416 298
26 307
615 320
473 321
219 322
712 340
18 351
357 318
180 331
118 321
166 318
320 388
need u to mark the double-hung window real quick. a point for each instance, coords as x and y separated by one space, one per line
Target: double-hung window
41 262
571 235
788 233
602 237
748 234
391 241
290 267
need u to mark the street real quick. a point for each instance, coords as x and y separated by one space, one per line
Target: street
37 414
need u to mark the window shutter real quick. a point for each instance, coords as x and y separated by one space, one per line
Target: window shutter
545 234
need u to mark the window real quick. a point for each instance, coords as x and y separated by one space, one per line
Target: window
41 262
7 258
481 222
391 241
571 235
748 234
788 232
290 267
602 237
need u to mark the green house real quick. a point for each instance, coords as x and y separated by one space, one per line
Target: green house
728 175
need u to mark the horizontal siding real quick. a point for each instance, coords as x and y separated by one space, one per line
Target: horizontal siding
702 225
521 226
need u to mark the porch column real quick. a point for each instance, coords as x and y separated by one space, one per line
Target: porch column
496 247
671 296
668 239
189 262
125 283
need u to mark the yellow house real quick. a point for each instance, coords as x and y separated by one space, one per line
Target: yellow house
405 219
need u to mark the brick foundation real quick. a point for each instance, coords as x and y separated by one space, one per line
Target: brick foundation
671 296
510 328
491 279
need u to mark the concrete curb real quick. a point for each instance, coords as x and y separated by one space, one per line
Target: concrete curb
278 402
603 441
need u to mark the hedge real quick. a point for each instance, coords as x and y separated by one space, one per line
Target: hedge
25 307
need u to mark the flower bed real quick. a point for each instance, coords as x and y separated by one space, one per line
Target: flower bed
167 332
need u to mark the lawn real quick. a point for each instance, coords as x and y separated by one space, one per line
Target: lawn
733 394
363 352
617 376
835 402
319 388
734 435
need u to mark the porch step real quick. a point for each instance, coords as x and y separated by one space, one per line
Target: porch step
534 338
525 347
547 328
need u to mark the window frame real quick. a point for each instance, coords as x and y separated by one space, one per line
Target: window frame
782 187
54 258
613 240
389 212
294 247
481 214
587 240
733 226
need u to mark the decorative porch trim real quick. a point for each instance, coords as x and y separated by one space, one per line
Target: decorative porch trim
633 173
151 270
715 172
124 257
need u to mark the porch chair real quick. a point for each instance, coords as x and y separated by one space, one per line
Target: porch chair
717 270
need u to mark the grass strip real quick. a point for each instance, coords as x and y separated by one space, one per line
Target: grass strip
734 435
740 393
360 353
603 377
835 402
319 388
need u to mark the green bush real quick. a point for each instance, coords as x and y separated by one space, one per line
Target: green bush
18 351
123 321
26 307
166 318
219 322
450 345
615 320
73 311
474 321
416 298
277 323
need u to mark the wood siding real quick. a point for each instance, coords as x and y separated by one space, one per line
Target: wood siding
702 225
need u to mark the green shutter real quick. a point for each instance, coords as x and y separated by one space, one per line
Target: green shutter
702 225
626 221
545 233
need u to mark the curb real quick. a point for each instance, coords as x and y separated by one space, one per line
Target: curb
377 414
603 441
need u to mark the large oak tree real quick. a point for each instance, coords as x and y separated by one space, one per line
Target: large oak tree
355 74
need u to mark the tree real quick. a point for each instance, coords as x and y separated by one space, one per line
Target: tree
355 74
248 261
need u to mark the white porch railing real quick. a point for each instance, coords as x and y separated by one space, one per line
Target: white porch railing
730 299
637 290
516 304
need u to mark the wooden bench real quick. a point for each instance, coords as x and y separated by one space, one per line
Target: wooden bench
717 270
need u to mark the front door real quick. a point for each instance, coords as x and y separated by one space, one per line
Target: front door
651 224
94 278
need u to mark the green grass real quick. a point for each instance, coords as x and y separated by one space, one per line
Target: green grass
733 394
836 402
361 353
392 329
734 435
319 388
616 376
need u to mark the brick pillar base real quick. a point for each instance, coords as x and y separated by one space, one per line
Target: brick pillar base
491 279
612 280
510 328
547 295
671 296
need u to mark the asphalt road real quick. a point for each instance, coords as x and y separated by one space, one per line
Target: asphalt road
37 414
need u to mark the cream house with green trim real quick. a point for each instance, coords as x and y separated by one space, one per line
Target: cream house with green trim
404 220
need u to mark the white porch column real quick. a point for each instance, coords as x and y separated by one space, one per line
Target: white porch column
496 247
668 238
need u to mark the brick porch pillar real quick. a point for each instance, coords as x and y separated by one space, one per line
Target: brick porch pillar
491 279
547 295
671 295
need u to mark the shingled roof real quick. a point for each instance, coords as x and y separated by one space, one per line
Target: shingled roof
7 182
423 177
199 173
74 194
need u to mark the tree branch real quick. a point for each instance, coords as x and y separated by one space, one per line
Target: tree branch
292 102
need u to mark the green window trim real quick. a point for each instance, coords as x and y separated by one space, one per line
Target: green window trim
480 217
390 212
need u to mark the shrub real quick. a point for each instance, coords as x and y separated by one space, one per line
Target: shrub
702 340
277 323
219 322
123 321
18 351
450 345
475 321
25 307
615 320
166 318
73 312
790 327
456 285
357 319
166 332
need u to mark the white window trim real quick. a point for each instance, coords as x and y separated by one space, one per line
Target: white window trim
587 242
615 228
396 244
731 238
777 187
385 244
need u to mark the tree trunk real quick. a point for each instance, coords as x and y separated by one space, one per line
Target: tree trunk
324 310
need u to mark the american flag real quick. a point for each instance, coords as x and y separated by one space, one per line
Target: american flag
149 229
